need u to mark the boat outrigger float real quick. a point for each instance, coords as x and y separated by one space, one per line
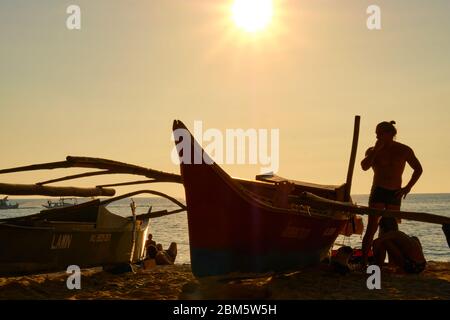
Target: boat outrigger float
235 225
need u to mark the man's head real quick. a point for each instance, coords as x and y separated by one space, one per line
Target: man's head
386 131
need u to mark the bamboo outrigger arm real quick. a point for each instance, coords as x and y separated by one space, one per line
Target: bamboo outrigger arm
130 183
311 199
76 176
108 166
181 206
38 190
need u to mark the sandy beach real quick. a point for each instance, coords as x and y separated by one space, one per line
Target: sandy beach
177 282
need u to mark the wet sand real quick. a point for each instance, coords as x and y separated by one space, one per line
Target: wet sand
177 282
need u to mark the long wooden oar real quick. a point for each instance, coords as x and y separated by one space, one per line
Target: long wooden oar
311 199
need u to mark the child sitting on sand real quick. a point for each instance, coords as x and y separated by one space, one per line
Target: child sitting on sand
404 251
156 255
165 257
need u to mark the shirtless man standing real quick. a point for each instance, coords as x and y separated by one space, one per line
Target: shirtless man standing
387 159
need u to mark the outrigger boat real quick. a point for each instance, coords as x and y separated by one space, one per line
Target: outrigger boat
61 203
6 204
85 235
235 226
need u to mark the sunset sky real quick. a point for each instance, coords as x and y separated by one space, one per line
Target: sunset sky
113 88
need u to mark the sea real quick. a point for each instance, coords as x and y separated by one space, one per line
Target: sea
173 228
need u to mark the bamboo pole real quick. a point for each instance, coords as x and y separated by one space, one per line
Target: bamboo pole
34 189
114 167
351 165
133 235
127 183
156 193
157 214
41 166
76 176
311 199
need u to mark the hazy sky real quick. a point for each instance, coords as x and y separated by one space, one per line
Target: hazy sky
113 88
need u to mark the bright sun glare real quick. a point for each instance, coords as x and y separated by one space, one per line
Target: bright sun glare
252 15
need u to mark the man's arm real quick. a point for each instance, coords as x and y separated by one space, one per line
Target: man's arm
417 167
367 162
371 153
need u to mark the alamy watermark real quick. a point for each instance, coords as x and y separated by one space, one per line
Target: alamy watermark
374 280
374 19
74 280
73 21
236 146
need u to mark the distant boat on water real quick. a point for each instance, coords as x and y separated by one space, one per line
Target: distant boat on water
61 203
6 204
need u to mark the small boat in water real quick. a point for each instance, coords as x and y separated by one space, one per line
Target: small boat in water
6 204
61 203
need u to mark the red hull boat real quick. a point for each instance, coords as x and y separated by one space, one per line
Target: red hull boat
234 225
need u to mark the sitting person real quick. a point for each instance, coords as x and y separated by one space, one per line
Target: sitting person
151 252
404 251
172 251
340 262
150 241
150 247
166 257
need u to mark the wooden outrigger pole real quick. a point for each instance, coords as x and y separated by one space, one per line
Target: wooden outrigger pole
38 190
351 165
107 167
312 199
111 167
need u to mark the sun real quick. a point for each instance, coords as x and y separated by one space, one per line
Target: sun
252 15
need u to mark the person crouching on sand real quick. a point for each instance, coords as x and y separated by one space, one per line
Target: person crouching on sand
404 251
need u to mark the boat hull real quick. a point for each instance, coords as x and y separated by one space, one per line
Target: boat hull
44 246
9 206
232 230
229 232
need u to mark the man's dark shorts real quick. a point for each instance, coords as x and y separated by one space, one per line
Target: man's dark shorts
383 195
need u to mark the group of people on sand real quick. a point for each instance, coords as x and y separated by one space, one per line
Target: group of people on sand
157 255
388 159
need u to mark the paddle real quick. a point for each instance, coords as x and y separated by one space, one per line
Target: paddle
311 199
